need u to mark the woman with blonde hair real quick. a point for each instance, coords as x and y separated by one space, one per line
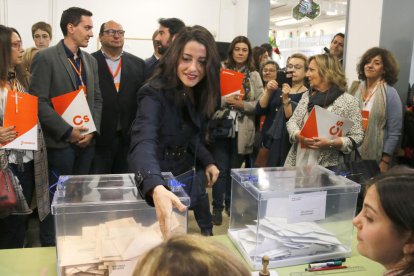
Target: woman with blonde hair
328 86
190 255
27 58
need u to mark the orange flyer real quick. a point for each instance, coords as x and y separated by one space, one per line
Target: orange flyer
74 109
21 111
231 83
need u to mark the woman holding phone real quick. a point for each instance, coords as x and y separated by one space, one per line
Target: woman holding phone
278 104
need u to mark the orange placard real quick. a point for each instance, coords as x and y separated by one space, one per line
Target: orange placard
62 102
21 111
231 83
74 109
365 117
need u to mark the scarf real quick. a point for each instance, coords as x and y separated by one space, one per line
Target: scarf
246 82
323 99
373 143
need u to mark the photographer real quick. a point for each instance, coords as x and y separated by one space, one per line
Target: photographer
278 104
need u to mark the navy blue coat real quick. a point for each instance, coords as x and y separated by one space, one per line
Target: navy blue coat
165 137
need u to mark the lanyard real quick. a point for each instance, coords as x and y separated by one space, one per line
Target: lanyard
117 69
79 73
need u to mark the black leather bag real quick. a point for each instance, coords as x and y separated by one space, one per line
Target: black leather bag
357 170
222 125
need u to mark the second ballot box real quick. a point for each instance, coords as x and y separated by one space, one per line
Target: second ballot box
293 215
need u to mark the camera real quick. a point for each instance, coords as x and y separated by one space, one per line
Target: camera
284 77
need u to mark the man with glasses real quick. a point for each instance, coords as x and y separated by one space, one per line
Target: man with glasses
168 29
56 71
121 74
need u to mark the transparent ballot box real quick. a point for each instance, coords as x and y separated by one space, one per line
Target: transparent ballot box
103 226
292 215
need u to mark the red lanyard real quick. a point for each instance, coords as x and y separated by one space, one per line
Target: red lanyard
117 69
79 73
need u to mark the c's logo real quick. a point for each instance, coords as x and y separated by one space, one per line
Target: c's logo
78 120
336 129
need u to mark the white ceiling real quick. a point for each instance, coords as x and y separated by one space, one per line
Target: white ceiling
281 13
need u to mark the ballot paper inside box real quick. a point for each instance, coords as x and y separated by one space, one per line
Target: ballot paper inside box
293 215
103 226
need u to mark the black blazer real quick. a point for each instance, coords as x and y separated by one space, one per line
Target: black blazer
164 138
150 64
120 104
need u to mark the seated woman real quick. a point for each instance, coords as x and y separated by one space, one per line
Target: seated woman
190 255
328 86
278 104
386 223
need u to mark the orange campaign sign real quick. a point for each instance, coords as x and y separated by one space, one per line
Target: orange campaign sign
74 109
21 111
231 83
323 123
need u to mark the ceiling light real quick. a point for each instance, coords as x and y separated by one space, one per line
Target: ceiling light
332 13
290 21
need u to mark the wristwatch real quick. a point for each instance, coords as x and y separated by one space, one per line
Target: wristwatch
331 143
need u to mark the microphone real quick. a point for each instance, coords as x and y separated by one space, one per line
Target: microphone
326 50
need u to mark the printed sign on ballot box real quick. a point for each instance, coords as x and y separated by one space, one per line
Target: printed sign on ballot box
323 123
21 112
74 109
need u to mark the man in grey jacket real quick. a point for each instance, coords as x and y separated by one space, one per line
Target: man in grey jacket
59 70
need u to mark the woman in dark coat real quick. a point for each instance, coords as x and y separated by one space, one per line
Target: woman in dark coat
166 133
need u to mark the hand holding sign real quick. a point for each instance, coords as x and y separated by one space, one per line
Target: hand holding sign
74 109
321 126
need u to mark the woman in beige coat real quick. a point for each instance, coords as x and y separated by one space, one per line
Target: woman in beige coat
231 152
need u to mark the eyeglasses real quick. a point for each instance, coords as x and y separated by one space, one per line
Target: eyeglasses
269 71
294 67
113 32
17 45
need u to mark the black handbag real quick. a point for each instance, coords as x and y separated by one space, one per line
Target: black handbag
222 125
357 170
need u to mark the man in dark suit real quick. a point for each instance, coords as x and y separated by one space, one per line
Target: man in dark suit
168 29
153 60
59 70
120 77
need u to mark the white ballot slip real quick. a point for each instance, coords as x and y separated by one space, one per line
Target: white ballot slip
74 109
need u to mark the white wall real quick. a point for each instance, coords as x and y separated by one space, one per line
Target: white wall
224 18
363 32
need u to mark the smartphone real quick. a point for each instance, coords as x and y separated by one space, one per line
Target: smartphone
284 77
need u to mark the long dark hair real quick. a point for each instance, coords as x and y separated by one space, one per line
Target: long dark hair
230 62
19 68
396 193
5 52
165 77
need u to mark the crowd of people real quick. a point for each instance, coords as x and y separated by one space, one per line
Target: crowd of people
152 116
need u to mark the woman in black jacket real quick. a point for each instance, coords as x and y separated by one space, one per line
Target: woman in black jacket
172 106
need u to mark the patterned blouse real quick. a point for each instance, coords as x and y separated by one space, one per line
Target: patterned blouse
346 106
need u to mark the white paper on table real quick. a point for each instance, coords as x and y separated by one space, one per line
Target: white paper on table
306 207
